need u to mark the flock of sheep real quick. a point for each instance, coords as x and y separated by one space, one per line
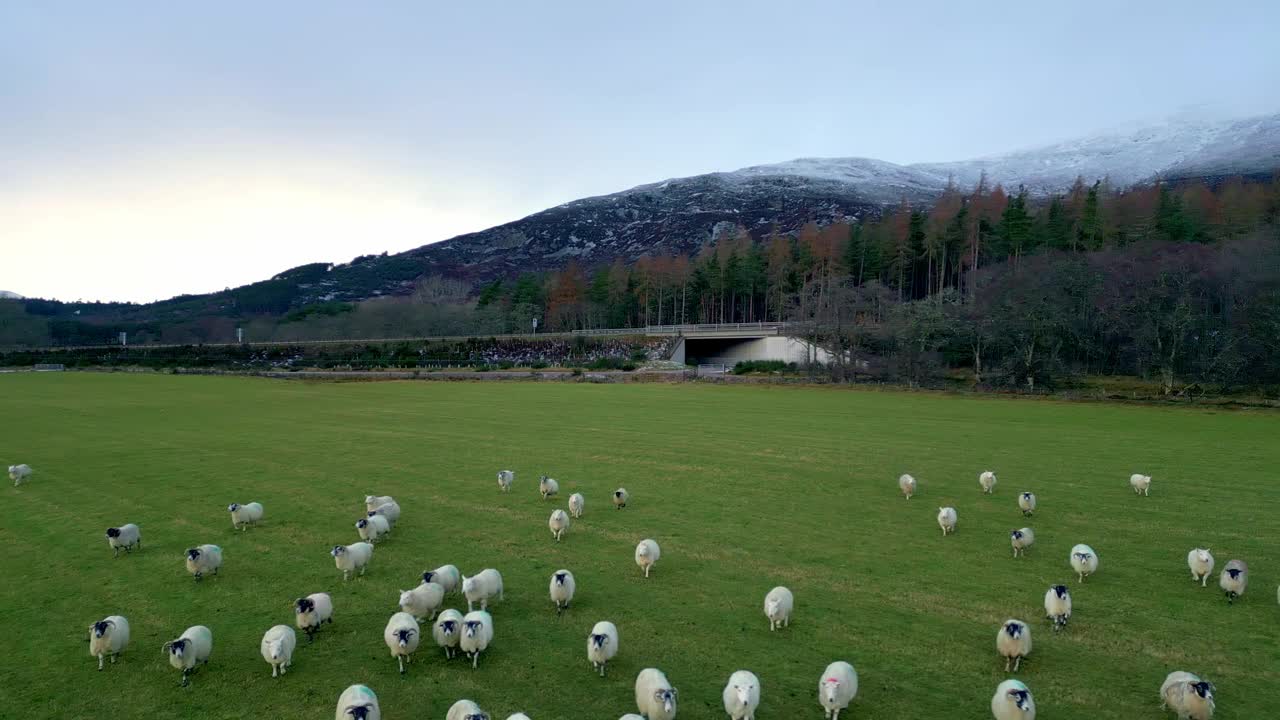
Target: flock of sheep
1186 694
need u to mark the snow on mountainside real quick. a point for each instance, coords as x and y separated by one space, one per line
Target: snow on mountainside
6 295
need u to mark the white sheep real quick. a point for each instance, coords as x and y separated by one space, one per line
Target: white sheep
349 558
125 536
562 589
1021 540
19 473
1027 503
988 481
559 522
1187 695
1234 579
777 607
547 487
203 559
1013 642
647 554
602 645
277 648
372 527
466 710
518 716
192 648
108 636
1057 606
907 485
1141 484
357 702
1013 701
655 697
620 498
390 511
1200 560
446 576
576 504
837 687
505 478
477 633
741 695
423 601
481 587
242 516
947 518
1084 561
447 630
402 637
373 502
631 716
311 612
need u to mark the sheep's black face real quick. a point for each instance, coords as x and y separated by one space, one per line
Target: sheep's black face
404 636
618 494
449 627
1026 496
477 716
304 605
362 523
1234 573
1013 629
1020 698
666 697
428 575
473 627
1203 689
193 554
358 712
371 513
560 577
178 647
337 550
100 628
599 640
113 532
1060 590
1016 534
233 507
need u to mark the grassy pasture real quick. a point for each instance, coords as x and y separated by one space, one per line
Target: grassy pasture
744 488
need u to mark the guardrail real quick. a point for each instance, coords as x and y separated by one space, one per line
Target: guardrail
713 327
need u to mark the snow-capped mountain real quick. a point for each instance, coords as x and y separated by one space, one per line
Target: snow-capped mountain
6 295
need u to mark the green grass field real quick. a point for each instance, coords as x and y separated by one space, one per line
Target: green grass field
745 488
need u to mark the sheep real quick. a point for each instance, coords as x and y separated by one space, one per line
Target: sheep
562 590
620 498
311 612
518 716
372 527
1013 641
242 516
947 518
373 502
192 648
349 558
423 601
125 536
1021 540
277 648
446 631
548 487
1057 606
19 473
741 695
1027 503
1013 701
481 587
631 716
357 702
836 688
1200 560
203 559
1234 578
559 522
647 554
466 710
108 636
402 637
390 511
1187 695
655 697
477 633
446 576
602 645
1141 484
1084 561
576 503
988 482
505 478
777 607
907 485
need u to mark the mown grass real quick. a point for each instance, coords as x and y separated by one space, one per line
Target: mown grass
744 487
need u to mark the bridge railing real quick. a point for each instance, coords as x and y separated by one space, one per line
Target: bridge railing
774 327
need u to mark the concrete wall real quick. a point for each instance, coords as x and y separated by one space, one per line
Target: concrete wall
734 350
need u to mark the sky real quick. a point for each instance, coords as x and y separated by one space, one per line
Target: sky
149 149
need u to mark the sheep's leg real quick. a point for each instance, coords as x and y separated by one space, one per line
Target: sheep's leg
1204 581
186 673
113 658
128 549
470 605
362 568
1006 664
99 661
117 553
400 662
786 621
475 658
199 576
274 670
284 669
1016 663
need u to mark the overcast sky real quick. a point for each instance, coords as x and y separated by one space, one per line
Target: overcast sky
152 149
